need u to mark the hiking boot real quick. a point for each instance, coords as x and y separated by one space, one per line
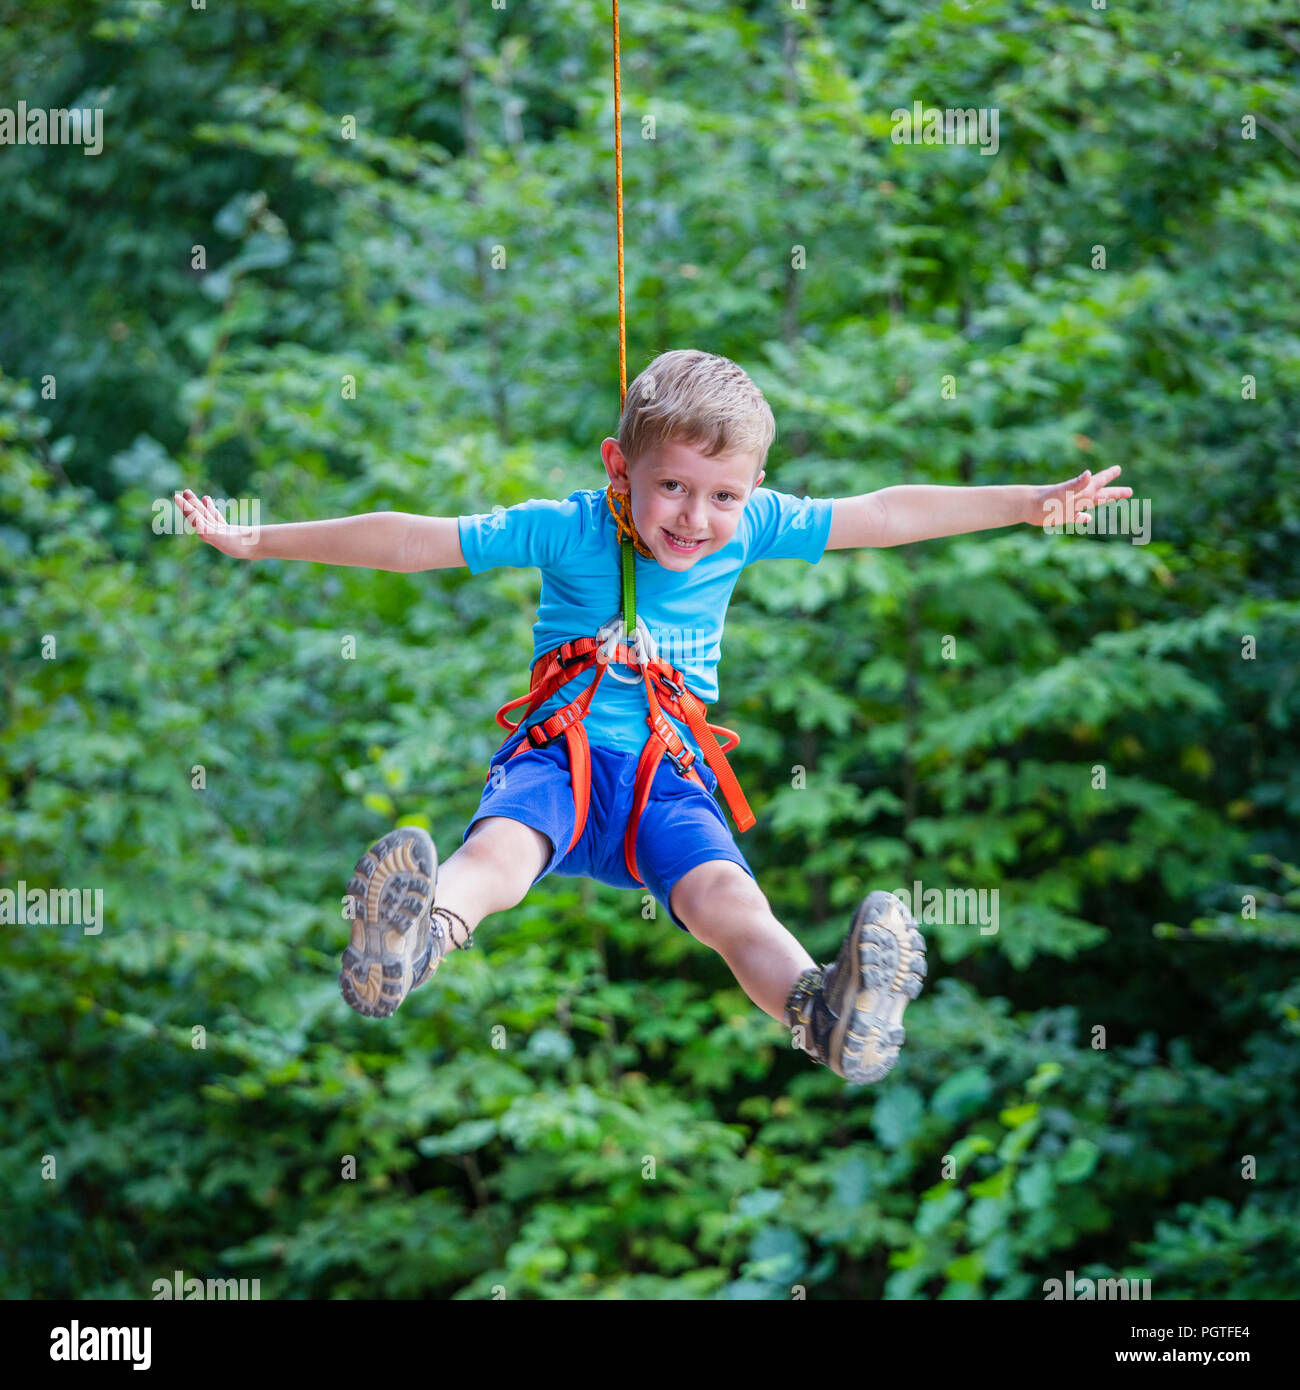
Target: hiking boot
846 1014
392 891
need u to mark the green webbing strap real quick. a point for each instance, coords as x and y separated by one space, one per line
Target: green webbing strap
629 588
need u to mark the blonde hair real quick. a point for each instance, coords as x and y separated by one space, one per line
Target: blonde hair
698 399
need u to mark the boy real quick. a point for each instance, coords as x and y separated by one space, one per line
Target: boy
684 475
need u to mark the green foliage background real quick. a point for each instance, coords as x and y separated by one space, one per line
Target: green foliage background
1121 908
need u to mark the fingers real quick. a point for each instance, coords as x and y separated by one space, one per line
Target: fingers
203 515
1095 489
189 505
1111 494
1097 485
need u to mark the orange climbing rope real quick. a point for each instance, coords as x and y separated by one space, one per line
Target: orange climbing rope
665 687
618 216
620 507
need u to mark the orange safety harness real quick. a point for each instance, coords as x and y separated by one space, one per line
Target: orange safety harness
624 641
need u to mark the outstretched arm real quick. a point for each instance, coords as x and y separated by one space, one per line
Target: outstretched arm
399 541
899 515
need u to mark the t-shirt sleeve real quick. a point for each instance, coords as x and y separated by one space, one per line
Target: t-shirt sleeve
780 526
537 532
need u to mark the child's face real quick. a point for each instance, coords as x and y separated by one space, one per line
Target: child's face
679 493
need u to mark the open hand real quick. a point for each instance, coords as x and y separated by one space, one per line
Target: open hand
1061 503
238 542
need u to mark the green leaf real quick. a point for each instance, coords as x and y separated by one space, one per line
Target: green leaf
897 1115
1078 1161
962 1094
462 1138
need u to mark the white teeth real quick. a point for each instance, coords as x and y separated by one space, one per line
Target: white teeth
685 545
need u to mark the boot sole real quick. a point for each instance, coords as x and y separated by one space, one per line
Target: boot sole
890 956
392 890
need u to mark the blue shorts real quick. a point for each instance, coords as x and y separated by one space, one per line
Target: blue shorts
682 824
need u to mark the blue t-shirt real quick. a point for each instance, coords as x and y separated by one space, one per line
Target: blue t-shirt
575 545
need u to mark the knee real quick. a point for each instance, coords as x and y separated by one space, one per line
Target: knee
509 849
718 901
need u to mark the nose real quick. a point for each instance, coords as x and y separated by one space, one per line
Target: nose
695 518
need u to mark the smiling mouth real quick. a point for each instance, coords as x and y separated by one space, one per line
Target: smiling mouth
677 543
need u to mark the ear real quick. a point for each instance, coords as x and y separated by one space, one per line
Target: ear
759 480
615 465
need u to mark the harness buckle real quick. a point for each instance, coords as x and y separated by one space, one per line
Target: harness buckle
676 687
545 739
572 659
681 761
661 729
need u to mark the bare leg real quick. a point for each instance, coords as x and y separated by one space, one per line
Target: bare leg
493 870
726 909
